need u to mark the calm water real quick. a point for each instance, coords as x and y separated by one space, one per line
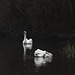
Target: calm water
15 61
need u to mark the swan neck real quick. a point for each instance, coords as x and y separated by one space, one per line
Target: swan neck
24 36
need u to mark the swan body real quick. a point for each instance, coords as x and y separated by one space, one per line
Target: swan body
42 58
48 54
27 41
41 53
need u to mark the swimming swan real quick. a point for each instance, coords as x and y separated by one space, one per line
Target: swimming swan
27 41
41 53
42 57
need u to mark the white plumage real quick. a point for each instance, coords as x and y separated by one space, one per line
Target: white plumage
27 41
42 57
41 53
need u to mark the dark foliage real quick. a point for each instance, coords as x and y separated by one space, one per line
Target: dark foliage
40 18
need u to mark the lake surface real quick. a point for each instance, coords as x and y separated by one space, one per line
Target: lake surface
14 61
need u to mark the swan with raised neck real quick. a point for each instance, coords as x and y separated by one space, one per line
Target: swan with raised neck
26 41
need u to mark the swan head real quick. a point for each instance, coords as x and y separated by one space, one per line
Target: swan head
25 32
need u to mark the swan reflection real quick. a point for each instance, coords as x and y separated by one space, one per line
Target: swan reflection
24 54
26 47
40 61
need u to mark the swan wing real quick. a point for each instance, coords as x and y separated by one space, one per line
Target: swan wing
28 40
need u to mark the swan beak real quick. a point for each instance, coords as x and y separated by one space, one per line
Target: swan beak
24 32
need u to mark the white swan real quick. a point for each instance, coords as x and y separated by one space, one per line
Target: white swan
42 57
27 41
41 53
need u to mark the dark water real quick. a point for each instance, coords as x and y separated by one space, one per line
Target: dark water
13 61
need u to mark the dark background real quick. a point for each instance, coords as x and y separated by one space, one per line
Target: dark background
49 23
40 18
